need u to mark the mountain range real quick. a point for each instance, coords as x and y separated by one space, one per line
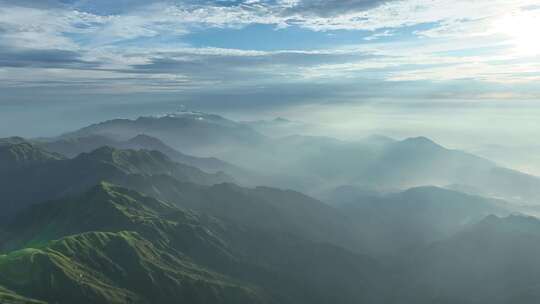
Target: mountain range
113 245
393 223
118 213
72 147
308 164
16 152
44 177
191 132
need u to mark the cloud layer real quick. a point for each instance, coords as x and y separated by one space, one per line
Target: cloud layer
115 47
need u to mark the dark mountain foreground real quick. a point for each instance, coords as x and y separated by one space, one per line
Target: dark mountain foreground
113 245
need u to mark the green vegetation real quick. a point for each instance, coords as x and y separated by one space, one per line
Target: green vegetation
10 297
114 245
16 153
125 226
123 267
42 181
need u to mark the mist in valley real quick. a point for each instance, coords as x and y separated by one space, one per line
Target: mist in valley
269 152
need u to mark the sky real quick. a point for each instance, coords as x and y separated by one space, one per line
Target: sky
456 70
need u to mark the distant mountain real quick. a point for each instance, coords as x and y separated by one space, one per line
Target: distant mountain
419 161
191 132
306 163
57 178
72 147
378 163
524 158
17 153
210 164
315 164
12 140
325 163
113 245
495 261
390 224
281 127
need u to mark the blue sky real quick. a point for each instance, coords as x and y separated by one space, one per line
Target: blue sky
66 63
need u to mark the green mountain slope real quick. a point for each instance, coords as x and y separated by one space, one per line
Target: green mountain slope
263 208
113 245
121 267
54 179
17 153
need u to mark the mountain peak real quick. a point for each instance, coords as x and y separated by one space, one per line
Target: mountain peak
184 114
512 219
101 153
12 140
281 119
143 137
110 154
512 224
420 141
14 154
103 205
146 140
189 132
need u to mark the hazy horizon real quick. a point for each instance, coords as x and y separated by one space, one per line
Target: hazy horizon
269 151
465 74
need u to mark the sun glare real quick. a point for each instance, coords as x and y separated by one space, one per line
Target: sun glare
523 30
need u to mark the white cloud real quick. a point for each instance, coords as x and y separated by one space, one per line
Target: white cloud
443 50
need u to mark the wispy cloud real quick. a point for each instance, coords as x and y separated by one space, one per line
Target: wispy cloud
138 46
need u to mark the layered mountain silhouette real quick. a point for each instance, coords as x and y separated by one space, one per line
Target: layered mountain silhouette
115 213
321 163
72 147
53 178
263 208
113 245
390 224
16 152
191 132
308 163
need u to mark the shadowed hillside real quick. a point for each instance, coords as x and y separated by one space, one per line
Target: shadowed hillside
43 180
113 245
